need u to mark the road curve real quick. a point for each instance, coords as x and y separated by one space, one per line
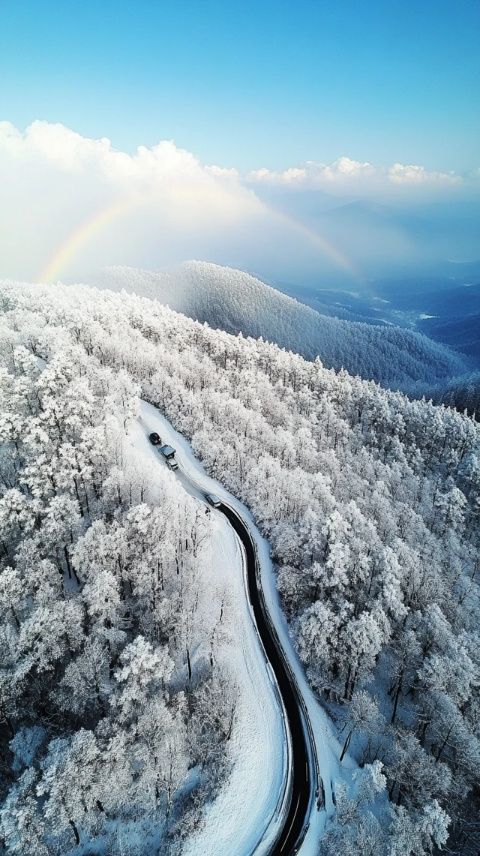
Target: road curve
303 785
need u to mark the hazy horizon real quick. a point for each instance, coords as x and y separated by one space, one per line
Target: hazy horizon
306 143
331 223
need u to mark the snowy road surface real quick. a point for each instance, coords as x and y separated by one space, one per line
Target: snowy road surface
302 780
250 811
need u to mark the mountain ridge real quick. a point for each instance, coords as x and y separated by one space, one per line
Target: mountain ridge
235 301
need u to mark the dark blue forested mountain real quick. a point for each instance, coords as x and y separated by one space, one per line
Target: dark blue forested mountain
443 304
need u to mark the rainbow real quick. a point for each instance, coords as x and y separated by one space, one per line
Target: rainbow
327 249
82 234
90 227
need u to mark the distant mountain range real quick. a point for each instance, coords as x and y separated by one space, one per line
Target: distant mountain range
445 307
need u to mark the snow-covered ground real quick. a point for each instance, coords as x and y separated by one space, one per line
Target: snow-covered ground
247 805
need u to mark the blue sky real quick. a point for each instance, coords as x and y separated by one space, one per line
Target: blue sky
255 83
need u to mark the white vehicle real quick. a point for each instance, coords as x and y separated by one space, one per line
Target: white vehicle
168 453
213 500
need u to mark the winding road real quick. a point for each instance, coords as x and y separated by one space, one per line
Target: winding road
304 783
303 773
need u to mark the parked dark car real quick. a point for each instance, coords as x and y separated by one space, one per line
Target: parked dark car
155 438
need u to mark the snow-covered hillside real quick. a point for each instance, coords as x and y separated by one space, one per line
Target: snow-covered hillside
370 504
235 301
134 697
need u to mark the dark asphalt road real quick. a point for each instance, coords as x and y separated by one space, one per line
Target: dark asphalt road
296 820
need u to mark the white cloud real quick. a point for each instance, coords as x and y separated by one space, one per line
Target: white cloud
347 174
293 175
159 204
69 151
222 171
345 167
70 204
401 173
314 174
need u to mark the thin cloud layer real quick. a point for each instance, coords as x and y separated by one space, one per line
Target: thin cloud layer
347 174
70 205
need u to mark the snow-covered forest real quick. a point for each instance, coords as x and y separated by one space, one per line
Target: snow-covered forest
371 504
111 739
234 301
